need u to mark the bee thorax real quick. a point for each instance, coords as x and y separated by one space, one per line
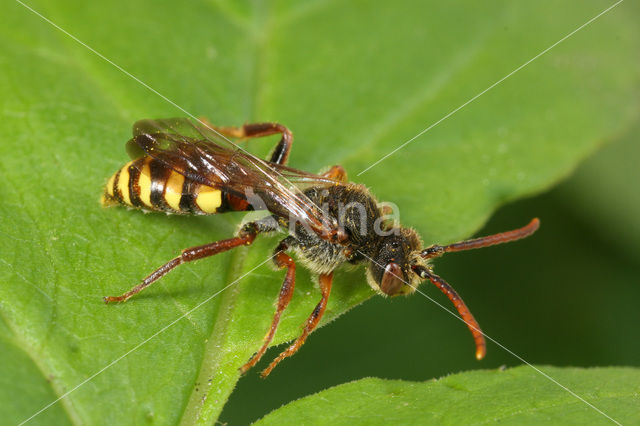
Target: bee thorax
354 210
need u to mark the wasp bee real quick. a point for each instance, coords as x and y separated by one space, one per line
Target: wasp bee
185 166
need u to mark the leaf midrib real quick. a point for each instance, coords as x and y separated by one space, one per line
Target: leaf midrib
198 408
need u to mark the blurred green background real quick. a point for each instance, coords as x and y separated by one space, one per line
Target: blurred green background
568 296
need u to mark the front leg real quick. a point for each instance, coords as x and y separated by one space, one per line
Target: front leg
325 281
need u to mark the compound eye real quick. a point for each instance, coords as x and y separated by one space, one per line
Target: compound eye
391 283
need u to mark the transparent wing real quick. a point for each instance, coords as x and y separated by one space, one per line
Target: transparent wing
204 156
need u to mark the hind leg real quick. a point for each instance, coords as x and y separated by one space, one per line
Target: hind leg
325 281
282 260
245 237
280 154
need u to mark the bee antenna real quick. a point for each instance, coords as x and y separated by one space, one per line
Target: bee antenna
490 240
463 310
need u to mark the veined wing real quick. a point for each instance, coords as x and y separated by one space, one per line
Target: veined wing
202 155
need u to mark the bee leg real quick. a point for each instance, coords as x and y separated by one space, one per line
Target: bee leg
313 320
282 260
336 172
280 154
246 236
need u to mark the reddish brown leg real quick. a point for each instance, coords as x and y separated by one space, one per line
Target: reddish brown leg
286 292
313 320
503 237
246 237
280 154
336 172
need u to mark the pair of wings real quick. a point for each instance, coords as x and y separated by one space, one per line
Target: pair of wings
202 155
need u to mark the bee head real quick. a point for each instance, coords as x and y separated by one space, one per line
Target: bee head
399 264
391 267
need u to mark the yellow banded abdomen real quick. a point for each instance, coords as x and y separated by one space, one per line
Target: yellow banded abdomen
149 184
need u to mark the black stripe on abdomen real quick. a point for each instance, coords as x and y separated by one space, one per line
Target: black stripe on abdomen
159 177
134 187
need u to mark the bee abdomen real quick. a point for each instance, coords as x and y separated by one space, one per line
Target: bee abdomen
146 183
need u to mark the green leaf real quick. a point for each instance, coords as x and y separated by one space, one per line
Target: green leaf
514 396
353 81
